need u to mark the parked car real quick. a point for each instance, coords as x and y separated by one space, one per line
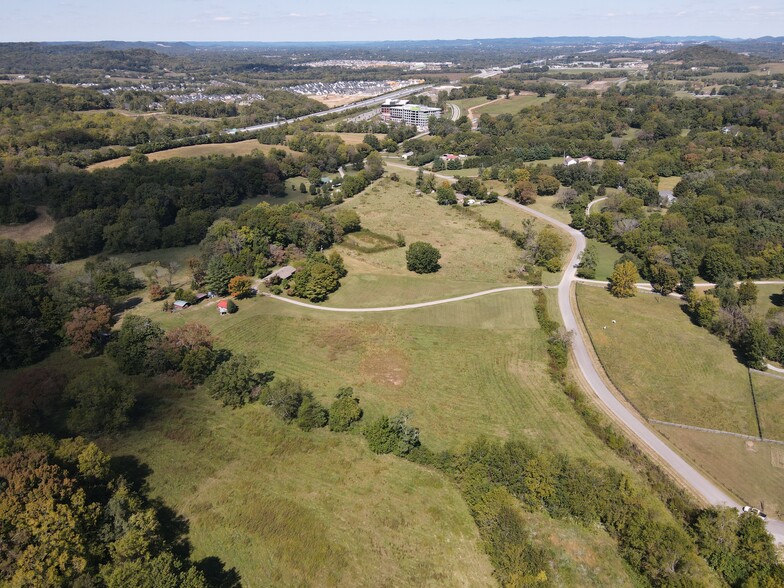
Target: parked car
755 511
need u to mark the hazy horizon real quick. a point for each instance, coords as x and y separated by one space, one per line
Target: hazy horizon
351 21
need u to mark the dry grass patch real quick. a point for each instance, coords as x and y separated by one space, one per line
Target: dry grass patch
746 468
32 231
239 149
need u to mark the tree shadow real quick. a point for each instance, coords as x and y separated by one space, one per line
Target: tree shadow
132 302
133 471
217 575
777 299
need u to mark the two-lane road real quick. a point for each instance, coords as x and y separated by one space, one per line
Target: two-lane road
699 483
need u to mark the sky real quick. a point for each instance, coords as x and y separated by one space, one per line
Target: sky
373 20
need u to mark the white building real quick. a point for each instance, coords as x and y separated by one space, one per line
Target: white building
414 114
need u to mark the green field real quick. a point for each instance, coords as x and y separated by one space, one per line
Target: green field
246 482
288 508
769 298
769 392
467 103
607 255
512 105
669 368
752 470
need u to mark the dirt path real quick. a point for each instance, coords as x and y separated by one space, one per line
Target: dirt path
403 306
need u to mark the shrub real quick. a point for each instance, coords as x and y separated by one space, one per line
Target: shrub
345 411
311 414
392 435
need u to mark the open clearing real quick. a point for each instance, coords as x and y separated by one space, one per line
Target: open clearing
669 183
470 254
511 105
239 148
752 470
669 368
290 508
306 509
353 138
32 231
607 256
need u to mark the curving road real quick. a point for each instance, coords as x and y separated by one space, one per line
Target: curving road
404 306
698 482
701 485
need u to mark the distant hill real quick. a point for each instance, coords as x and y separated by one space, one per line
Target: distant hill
709 56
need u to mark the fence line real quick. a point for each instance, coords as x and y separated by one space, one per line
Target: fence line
718 432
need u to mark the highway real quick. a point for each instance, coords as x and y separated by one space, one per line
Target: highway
361 104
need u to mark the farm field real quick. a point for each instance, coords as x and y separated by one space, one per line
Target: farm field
239 148
668 368
752 470
290 508
274 476
352 138
32 231
512 105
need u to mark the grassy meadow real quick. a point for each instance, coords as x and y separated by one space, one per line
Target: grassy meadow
238 149
511 105
669 369
752 470
473 258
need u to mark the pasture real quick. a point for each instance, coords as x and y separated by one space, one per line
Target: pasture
240 148
511 105
751 470
667 367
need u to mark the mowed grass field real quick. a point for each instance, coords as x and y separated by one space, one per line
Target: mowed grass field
353 138
607 256
239 148
769 393
752 470
511 105
669 368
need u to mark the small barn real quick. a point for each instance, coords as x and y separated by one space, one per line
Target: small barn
283 273
223 306
180 304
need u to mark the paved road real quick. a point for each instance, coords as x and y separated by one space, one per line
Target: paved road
455 110
360 104
404 306
703 487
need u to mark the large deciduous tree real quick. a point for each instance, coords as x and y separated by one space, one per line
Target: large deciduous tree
422 258
86 326
623 280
